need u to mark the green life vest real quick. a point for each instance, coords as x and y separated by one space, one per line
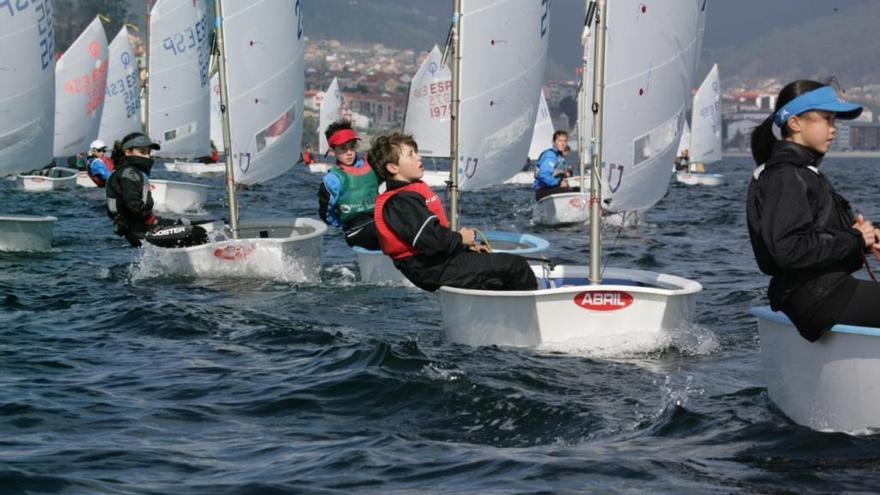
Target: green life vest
357 194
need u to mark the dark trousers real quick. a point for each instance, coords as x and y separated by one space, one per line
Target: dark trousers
470 270
362 232
864 306
166 233
854 302
175 236
547 191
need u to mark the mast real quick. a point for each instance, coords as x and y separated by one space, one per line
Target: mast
146 108
582 95
690 147
224 110
453 114
596 138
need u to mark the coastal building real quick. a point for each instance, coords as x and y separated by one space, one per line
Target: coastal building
865 136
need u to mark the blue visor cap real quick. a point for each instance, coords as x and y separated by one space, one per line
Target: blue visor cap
824 99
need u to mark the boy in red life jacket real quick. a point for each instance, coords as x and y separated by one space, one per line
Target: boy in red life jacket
414 232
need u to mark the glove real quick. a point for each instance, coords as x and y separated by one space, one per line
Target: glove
119 227
151 220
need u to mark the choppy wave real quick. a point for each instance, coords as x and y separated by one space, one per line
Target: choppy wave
116 378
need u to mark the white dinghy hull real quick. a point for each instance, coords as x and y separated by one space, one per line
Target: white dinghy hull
376 268
435 178
177 197
197 169
280 249
83 180
439 178
521 179
320 168
591 317
828 385
562 209
26 232
56 178
699 179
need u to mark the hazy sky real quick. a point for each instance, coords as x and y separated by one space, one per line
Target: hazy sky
729 23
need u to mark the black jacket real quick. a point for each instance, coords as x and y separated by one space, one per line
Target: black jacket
129 201
802 236
406 214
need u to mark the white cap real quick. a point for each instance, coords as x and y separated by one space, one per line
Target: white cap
97 144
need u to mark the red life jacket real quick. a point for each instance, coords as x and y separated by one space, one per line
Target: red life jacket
96 179
356 171
392 245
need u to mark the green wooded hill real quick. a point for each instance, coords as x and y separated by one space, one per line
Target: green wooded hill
844 44
750 39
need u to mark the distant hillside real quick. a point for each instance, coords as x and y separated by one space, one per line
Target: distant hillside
844 44
419 24
397 23
749 38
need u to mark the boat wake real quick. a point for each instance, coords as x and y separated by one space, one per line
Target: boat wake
689 339
240 260
340 275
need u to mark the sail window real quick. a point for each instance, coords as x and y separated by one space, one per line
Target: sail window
276 129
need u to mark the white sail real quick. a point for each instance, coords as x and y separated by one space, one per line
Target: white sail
178 80
429 105
706 120
266 83
650 59
122 103
684 143
542 137
216 114
331 111
80 84
27 72
504 49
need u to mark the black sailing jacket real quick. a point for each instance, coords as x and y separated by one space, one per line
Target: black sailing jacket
129 201
802 236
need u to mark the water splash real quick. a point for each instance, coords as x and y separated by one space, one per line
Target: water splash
340 275
677 394
689 339
244 259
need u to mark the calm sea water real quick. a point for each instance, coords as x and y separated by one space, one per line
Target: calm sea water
113 380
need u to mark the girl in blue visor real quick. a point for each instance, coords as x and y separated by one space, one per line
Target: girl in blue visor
803 233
